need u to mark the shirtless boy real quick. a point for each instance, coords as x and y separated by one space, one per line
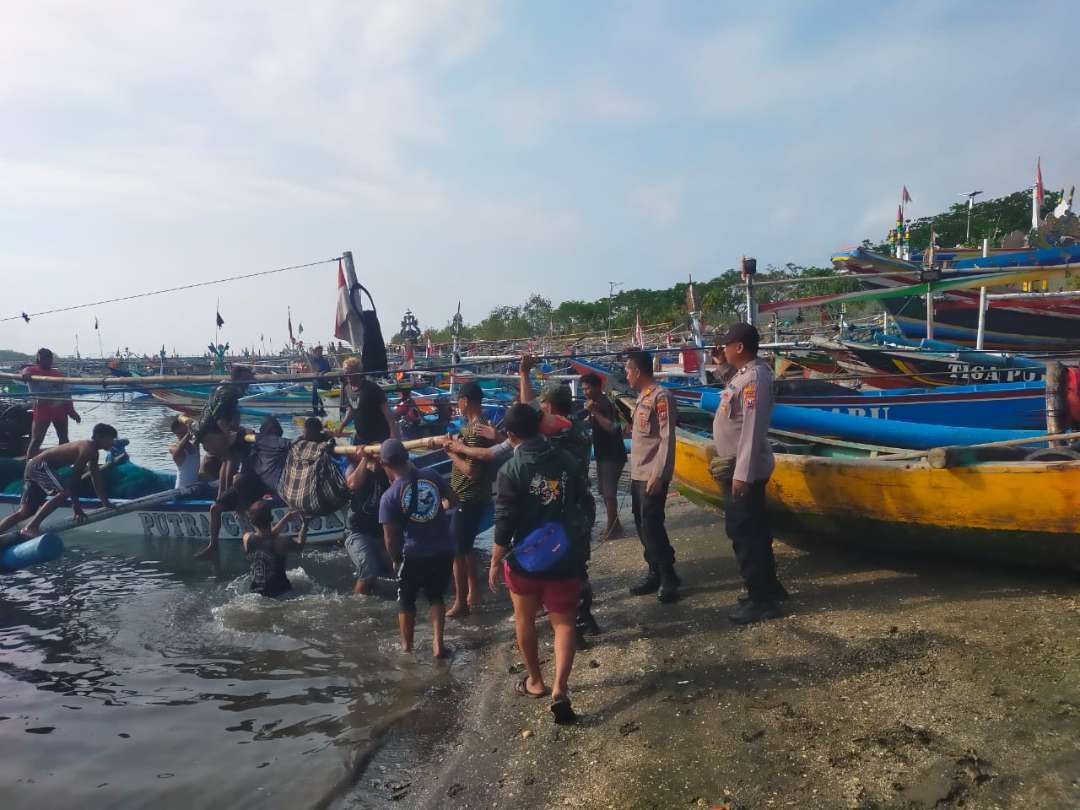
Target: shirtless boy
43 493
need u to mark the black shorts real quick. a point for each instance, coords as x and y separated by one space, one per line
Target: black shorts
428 574
246 488
465 525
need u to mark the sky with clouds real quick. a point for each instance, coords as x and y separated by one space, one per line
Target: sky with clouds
483 150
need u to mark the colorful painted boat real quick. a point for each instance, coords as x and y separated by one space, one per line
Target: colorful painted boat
1025 511
885 366
189 519
1013 321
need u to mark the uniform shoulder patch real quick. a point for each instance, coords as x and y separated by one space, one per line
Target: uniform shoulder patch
662 410
749 394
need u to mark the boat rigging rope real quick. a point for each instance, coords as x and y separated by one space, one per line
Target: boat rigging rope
27 316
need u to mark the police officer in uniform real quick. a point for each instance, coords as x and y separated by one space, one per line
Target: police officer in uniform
652 463
743 464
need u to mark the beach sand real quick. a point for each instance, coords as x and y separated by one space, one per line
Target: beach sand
891 683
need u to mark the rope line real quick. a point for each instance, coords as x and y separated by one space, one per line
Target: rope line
27 316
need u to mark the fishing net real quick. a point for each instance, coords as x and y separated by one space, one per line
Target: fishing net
123 481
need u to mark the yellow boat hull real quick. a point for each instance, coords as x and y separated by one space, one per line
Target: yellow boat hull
1018 511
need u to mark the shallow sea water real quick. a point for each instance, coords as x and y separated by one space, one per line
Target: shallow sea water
133 675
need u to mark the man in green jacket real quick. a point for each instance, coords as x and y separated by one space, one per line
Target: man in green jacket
540 493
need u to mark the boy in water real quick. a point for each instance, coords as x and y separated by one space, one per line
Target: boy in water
268 549
185 454
416 529
42 492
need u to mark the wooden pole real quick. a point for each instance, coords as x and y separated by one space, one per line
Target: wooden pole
914 454
426 443
929 311
980 334
1055 399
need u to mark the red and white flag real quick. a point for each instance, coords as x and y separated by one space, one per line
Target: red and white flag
639 334
341 316
1037 194
410 356
430 350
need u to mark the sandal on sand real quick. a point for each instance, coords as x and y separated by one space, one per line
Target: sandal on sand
522 688
563 712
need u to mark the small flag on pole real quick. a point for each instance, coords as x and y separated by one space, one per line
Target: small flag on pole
429 349
300 330
95 322
220 320
905 197
639 334
292 339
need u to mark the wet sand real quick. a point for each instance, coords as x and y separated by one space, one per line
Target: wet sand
892 683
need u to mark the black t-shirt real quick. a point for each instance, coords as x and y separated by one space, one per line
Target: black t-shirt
608 444
367 403
364 504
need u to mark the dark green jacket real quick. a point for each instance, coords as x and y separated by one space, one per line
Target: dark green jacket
543 484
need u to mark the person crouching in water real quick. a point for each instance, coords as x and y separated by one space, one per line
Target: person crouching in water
268 548
541 532
416 529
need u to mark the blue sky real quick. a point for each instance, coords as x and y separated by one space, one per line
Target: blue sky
484 150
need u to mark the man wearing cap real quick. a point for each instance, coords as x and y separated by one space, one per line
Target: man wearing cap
416 529
652 464
743 464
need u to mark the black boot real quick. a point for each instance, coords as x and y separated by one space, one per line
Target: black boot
669 584
650 583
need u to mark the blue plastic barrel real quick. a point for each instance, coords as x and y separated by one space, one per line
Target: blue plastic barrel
41 549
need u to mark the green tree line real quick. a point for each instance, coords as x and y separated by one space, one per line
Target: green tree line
720 299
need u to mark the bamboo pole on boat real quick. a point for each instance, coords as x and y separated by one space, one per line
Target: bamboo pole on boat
939 457
425 443
1055 400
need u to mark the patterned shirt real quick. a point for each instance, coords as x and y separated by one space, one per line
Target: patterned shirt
476 486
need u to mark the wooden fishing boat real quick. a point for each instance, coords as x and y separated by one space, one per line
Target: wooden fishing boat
189 519
1021 511
885 366
1016 320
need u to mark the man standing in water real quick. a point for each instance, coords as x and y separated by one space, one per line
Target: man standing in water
52 403
652 463
743 464
472 484
42 492
413 514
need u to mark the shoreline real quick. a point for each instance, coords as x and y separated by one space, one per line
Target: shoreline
891 683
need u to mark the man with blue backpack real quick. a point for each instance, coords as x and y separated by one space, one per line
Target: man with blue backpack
541 537
416 530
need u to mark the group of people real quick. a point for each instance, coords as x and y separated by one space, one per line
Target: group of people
412 532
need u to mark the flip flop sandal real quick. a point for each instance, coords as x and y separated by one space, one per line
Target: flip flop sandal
563 712
522 688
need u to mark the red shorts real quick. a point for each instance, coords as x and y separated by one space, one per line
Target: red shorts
557 595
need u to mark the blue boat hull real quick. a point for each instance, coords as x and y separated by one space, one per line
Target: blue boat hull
868 430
